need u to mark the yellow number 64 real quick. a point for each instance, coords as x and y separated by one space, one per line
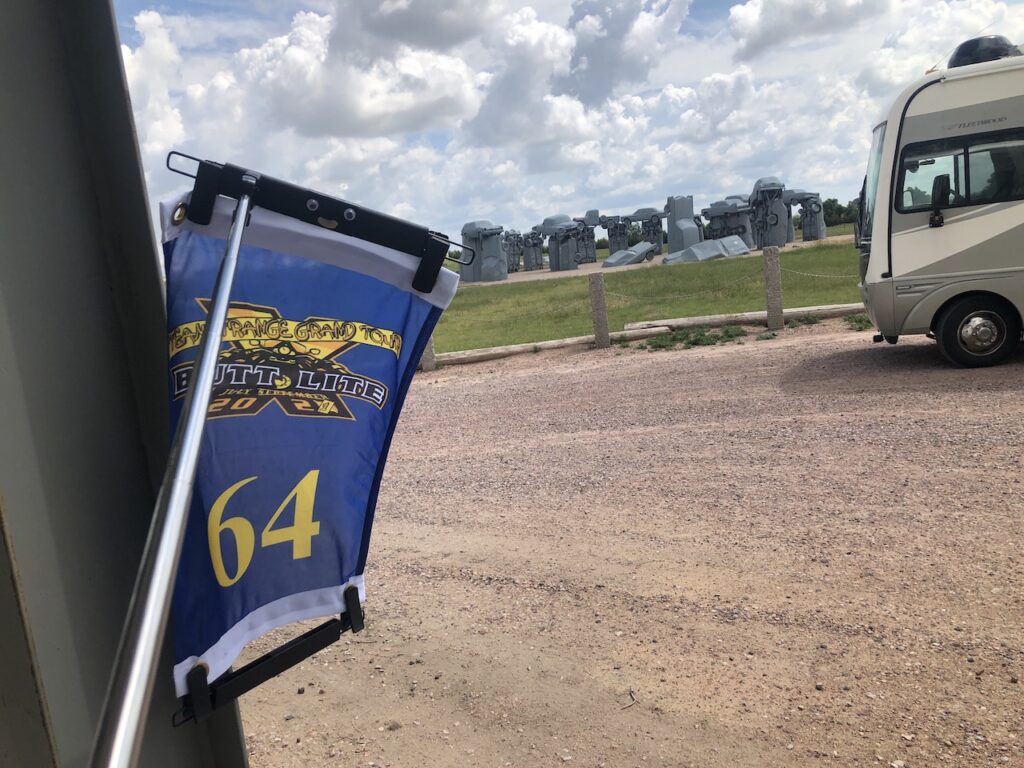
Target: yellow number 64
300 533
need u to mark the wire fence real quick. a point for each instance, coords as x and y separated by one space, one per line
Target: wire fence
683 296
814 274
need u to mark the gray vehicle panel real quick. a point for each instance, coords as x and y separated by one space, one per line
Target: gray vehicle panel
963 121
914 310
1001 251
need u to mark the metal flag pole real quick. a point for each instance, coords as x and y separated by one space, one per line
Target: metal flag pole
123 718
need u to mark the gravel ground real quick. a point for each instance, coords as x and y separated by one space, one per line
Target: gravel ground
797 552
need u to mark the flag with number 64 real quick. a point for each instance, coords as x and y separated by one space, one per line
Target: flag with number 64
323 335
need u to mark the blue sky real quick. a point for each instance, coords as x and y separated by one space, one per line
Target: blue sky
445 111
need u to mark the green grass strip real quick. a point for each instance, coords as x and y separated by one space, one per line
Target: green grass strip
518 313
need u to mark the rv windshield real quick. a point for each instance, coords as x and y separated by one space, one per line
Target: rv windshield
871 184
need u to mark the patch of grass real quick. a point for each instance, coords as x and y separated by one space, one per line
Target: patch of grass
701 337
804 320
526 312
839 229
663 341
695 337
859 322
766 335
730 332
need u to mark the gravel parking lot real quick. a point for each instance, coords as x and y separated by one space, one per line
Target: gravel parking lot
804 551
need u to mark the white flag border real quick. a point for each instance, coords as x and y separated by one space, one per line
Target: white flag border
284 234
314 604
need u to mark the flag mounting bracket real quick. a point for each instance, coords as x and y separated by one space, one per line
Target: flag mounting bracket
204 697
223 179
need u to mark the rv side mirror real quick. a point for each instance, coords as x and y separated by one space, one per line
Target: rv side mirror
940 199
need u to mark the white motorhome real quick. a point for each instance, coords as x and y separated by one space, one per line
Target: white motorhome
941 231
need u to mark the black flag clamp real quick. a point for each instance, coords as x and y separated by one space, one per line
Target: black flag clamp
223 179
204 697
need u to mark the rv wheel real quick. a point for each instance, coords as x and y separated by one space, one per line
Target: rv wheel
978 331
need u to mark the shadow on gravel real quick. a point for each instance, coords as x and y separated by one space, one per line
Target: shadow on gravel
883 368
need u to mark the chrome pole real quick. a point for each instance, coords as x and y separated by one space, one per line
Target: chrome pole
123 718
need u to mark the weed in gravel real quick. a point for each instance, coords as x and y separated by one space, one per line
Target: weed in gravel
701 337
695 337
859 322
766 335
662 341
808 319
730 332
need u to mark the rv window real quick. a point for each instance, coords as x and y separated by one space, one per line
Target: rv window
921 164
985 168
997 171
871 183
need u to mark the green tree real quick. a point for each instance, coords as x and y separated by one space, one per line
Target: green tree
633 235
835 213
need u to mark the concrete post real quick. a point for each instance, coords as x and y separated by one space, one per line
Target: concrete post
428 362
599 311
773 286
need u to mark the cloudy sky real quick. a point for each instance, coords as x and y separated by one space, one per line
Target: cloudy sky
442 111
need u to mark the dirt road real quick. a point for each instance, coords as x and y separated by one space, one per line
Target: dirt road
796 552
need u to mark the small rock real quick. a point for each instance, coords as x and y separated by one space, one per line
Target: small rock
897 764
301 691
908 737
819 686
289 717
394 725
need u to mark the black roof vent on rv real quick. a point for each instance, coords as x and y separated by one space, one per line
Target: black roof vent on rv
979 49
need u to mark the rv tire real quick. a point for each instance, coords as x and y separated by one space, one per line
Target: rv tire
978 331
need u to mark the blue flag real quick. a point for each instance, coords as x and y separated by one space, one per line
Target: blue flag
323 336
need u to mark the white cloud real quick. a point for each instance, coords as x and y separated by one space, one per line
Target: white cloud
149 69
617 44
368 26
515 109
309 81
927 35
759 25
443 112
